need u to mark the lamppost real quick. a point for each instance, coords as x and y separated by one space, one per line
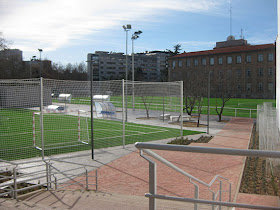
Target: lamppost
126 29
134 37
208 112
40 51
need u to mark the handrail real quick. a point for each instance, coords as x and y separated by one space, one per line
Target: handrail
209 150
171 165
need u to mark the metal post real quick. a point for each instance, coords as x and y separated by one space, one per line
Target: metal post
181 108
91 109
50 175
15 183
213 198
47 175
208 112
196 194
86 179
163 107
126 77
250 113
96 180
152 184
133 74
220 207
55 183
235 112
41 116
123 117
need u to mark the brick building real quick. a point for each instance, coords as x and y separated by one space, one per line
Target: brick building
251 66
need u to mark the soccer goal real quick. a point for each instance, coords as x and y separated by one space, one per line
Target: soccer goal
61 130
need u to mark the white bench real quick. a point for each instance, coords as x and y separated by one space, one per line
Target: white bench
165 116
185 117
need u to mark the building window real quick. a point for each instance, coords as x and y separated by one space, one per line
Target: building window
239 88
211 61
260 86
188 62
195 62
270 86
248 58
238 59
260 71
180 63
248 72
173 64
248 86
239 72
270 57
270 71
260 57
203 61
229 60
220 60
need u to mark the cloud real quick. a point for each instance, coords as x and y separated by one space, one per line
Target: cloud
52 24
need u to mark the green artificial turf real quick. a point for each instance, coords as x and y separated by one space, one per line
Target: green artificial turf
61 133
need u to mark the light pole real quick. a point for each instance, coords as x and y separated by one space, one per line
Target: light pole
126 29
134 37
40 51
208 112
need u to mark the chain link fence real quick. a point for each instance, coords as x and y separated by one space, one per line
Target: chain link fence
268 131
45 117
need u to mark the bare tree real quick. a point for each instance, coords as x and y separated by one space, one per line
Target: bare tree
4 44
195 86
222 88
147 100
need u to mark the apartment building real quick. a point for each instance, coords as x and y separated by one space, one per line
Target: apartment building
253 67
112 65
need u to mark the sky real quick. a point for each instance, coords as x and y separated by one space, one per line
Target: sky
67 30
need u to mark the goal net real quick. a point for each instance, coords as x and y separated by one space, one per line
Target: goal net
61 129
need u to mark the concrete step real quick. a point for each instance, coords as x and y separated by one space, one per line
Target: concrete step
75 199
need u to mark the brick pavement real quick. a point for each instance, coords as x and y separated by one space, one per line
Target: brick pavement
129 175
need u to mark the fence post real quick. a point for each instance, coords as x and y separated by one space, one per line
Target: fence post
15 183
152 184
196 196
86 179
250 113
182 102
123 117
47 175
220 207
41 116
235 112
96 178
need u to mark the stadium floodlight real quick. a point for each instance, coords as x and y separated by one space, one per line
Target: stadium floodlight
40 51
134 37
126 29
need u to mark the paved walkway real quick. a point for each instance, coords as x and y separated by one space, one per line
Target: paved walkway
124 181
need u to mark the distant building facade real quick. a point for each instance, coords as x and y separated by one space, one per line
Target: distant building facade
252 66
107 66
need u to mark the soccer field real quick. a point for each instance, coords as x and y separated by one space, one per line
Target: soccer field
61 133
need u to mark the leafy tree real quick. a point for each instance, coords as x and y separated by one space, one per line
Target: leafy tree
176 49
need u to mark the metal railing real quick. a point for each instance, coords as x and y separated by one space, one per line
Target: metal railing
20 177
152 195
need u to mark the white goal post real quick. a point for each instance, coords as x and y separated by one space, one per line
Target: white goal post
81 131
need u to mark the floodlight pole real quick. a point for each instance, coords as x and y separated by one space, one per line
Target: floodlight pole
208 112
40 51
134 37
126 29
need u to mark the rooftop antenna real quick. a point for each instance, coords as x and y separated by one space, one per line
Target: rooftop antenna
241 33
230 14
